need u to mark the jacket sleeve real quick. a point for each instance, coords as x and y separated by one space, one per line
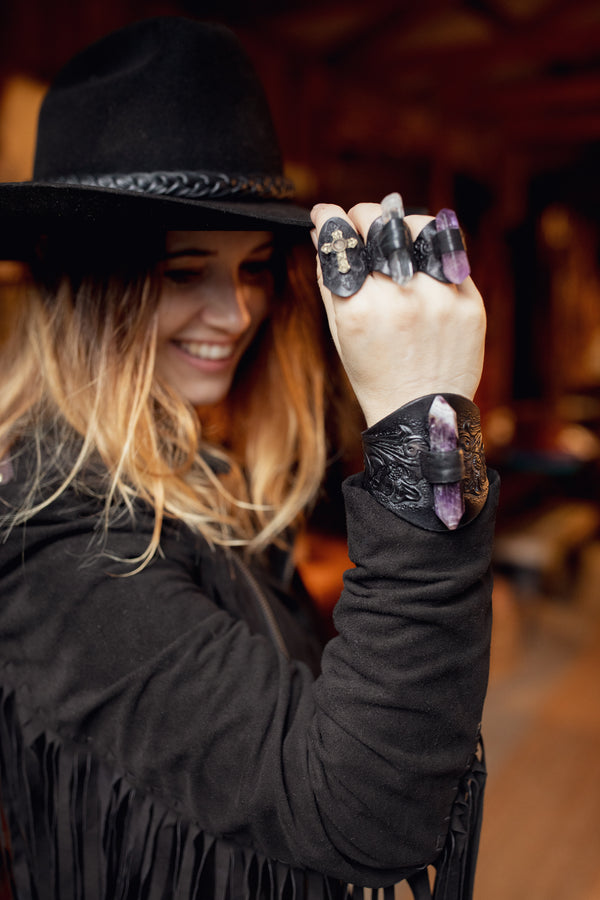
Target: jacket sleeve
353 774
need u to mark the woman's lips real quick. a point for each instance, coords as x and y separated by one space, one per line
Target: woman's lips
207 356
206 350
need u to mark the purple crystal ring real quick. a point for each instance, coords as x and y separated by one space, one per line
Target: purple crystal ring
439 249
343 257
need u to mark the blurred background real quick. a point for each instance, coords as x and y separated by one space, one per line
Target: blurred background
491 107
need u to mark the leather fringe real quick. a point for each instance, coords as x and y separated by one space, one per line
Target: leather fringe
455 870
455 867
72 828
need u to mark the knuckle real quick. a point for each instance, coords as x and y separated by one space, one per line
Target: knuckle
324 211
352 320
417 222
475 313
360 209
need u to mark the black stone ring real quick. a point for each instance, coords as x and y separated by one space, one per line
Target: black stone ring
343 257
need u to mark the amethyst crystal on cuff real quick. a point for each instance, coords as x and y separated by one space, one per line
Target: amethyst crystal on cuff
448 502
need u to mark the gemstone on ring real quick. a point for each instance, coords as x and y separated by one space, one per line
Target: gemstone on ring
455 262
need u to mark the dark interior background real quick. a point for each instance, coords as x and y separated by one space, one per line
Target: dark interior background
491 107
488 106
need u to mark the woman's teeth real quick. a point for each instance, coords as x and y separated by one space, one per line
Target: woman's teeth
207 351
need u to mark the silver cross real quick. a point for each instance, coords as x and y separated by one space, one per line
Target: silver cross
338 245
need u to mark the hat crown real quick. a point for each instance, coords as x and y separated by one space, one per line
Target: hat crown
162 95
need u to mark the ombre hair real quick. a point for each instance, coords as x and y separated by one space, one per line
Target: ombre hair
79 385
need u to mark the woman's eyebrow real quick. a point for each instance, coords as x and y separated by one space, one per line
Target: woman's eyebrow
197 251
189 251
267 245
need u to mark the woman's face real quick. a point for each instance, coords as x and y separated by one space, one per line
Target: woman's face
216 289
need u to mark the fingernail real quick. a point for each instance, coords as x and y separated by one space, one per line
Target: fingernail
313 237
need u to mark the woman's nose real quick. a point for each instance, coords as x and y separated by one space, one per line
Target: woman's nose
226 306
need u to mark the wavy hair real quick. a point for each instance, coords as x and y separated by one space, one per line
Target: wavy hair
78 382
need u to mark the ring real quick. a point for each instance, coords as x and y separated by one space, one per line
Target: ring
343 257
439 249
389 242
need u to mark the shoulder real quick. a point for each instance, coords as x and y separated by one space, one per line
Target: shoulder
75 518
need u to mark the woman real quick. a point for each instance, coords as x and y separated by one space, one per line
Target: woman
165 731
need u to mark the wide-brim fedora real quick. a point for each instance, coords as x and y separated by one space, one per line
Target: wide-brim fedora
162 124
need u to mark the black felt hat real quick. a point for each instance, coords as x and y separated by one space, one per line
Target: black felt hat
163 123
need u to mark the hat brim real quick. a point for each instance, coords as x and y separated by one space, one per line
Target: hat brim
29 209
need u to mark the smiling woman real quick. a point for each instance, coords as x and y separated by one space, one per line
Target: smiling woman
139 346
216 290
171 725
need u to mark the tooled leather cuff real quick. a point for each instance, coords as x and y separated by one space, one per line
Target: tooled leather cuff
400 468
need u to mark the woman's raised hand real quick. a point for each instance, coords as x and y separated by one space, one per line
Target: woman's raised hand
398 343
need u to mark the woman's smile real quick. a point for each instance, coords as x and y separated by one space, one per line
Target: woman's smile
206 353
203 350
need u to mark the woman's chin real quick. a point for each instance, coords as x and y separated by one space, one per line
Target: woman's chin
207 396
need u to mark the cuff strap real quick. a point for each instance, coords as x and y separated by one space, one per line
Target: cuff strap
443 466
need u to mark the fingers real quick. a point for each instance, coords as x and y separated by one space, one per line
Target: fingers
401 341
437 243
361 217
323 211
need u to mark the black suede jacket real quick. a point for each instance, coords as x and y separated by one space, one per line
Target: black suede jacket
166 734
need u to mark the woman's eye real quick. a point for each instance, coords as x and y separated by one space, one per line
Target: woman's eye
182 276
257 268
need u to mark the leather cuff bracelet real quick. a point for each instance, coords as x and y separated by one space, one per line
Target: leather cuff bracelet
408 473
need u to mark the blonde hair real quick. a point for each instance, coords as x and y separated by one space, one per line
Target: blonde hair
78 377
